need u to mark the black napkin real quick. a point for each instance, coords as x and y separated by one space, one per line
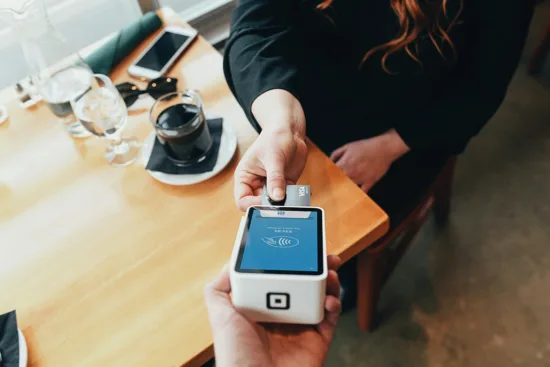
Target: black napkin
9 340
160 162
105 58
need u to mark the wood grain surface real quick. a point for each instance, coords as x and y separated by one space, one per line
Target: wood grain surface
106 266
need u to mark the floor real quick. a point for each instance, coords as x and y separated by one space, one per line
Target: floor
478 293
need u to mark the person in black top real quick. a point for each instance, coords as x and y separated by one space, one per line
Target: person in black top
390 89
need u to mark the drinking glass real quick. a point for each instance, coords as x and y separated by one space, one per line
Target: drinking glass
103 113
59 87
181 128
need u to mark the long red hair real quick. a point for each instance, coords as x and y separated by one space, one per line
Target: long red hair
413 21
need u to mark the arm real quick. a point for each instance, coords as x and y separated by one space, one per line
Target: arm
261 62
497 32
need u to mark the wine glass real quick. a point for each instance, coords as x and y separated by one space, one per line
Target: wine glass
102 111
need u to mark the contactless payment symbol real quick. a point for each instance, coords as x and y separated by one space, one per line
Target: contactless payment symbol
281 241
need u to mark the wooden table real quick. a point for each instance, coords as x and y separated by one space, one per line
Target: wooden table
106 266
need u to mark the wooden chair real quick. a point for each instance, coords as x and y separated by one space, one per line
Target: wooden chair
541 52
376 263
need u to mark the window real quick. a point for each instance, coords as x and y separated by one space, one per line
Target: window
81 22
210 17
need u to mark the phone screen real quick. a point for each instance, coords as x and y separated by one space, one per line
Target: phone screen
162 51
285 241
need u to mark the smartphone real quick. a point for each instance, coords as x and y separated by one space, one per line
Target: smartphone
283 240
161 54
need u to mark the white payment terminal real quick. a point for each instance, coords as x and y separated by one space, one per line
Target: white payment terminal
278 268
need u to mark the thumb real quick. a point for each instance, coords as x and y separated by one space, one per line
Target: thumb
275 171
338 153
217 291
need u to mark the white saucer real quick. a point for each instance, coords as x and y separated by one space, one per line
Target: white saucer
228 146
23 353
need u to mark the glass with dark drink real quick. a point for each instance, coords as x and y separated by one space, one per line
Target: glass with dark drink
181 127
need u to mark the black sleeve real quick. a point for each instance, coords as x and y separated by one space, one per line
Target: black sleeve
492 54
263 51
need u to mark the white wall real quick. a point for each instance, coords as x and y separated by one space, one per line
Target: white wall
82 22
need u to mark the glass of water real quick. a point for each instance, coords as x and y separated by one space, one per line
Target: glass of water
60 87
102 111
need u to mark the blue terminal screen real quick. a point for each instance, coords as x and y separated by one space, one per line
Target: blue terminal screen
282 244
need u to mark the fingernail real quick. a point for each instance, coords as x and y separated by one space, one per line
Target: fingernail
278 194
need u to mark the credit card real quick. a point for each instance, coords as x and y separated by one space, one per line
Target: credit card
296 195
